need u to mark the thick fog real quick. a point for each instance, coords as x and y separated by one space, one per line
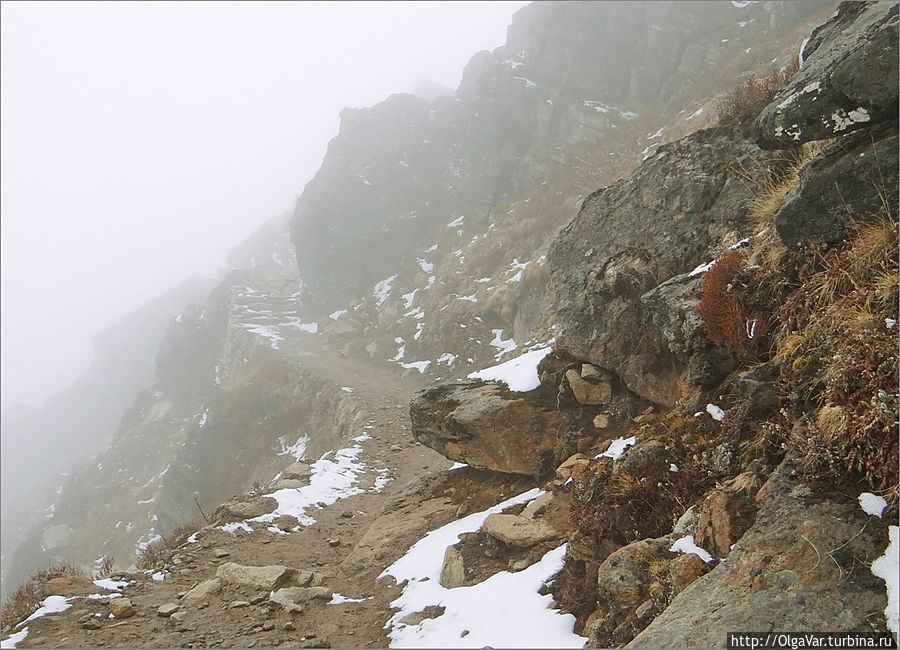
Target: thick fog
141 141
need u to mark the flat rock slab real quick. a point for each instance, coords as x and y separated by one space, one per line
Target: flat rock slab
518 532
203 591
261 577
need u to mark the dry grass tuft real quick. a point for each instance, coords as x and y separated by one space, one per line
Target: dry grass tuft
22 602
745 101
159 550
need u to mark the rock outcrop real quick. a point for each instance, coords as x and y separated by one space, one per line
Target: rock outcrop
848 79
609 265
486 426
796 568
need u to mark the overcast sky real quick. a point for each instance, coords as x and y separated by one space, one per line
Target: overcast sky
141 141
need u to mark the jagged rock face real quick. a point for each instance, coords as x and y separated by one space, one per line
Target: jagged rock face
663 221
569 75
488 427
853 180
781 568
848 80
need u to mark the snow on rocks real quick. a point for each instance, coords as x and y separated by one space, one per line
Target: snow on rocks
421 366
715 412
504 610
110 584
617 448
502 346
383 289
872 504
14 639
687 545
334 476
520 374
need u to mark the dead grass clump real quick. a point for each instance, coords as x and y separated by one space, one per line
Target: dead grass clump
575 589
837 349
22 602
734 314
745 101
159 550
622 506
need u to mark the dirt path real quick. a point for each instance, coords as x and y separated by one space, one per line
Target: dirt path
320 547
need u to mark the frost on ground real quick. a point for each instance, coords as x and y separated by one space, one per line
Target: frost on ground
617 448
520 374
872 504
887 567
687 545
505 610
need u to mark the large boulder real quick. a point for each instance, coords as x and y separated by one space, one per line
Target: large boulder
854 179
848 79
677 211
801 566
488 427
260 577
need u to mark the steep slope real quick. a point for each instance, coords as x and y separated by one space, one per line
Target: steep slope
435 217
704 371
79 421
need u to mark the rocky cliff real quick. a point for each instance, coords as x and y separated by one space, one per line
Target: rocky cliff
690 287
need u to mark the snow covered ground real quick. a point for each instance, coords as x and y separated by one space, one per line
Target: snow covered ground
506 610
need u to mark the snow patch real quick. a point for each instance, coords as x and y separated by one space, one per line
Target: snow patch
887 567
715 412
421 366
520 374
505 610
502 346
617 448
687 545
872 504
337 314
383 289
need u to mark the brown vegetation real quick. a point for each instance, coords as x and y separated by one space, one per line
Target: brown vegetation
22 602
159 550
745 101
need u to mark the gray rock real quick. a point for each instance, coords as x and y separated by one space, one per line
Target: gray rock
595 374
453 570
853 179
121 607
298 472
538 506
631 237
780 566
488 427
588 393
235 604
289 484
292 598
220 552
91 624
168 609
758 389
259 577
203 590
243 507
848 80
517 531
